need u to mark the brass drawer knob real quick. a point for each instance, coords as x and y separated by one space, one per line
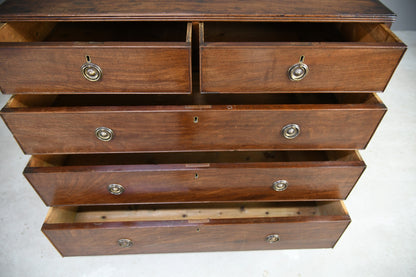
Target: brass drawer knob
115 189
272 238
280 185
291 131
104 133
125 243
91 71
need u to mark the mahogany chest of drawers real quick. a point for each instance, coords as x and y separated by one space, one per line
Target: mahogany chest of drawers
194 125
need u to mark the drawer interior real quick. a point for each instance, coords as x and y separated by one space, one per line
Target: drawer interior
95 31
33 101
295 32
192 158
192 212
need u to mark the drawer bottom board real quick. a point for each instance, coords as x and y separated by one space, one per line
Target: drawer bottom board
194 228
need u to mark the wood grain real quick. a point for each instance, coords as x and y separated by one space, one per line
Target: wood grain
45 130
100 238
238 64
237 179
158 65
202 10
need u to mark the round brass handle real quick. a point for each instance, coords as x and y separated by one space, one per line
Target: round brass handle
298 71
291 131
280 185
91 71
272 238
115 189
125 243
104 133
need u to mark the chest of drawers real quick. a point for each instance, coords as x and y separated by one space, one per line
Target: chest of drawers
194 125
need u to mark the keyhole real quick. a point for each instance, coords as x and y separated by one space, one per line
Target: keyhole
88 59
196 119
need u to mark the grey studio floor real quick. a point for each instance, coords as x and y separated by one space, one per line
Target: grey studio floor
380 241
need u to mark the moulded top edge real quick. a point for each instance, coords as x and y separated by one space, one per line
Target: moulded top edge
196 10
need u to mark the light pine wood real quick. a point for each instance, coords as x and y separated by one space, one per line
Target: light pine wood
60 215
193 213
25 31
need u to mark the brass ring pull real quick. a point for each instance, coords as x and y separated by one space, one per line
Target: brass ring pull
272 238
91 71
298 71
115 189
280 185
125 243
104 133
291 131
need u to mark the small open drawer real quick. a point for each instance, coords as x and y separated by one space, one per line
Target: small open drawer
75 124
102 57
297 57
194 228
194 177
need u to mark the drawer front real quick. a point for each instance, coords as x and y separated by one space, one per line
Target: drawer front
297 57
180 183
125 69
95 57
249 69
194 128
105 238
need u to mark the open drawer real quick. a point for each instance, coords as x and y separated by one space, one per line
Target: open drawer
194 228
297 57
68 124
102 57
194 177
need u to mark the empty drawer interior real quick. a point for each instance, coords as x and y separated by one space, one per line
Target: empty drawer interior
295 32
191 101
95 31
193 158
204 212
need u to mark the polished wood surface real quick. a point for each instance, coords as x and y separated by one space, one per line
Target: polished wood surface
261 10
255 57
193 177
316 229
197 122
71 129
128 67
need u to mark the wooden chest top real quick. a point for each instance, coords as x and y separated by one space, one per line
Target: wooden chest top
197 10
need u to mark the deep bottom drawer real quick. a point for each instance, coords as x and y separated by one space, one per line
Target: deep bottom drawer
195 228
